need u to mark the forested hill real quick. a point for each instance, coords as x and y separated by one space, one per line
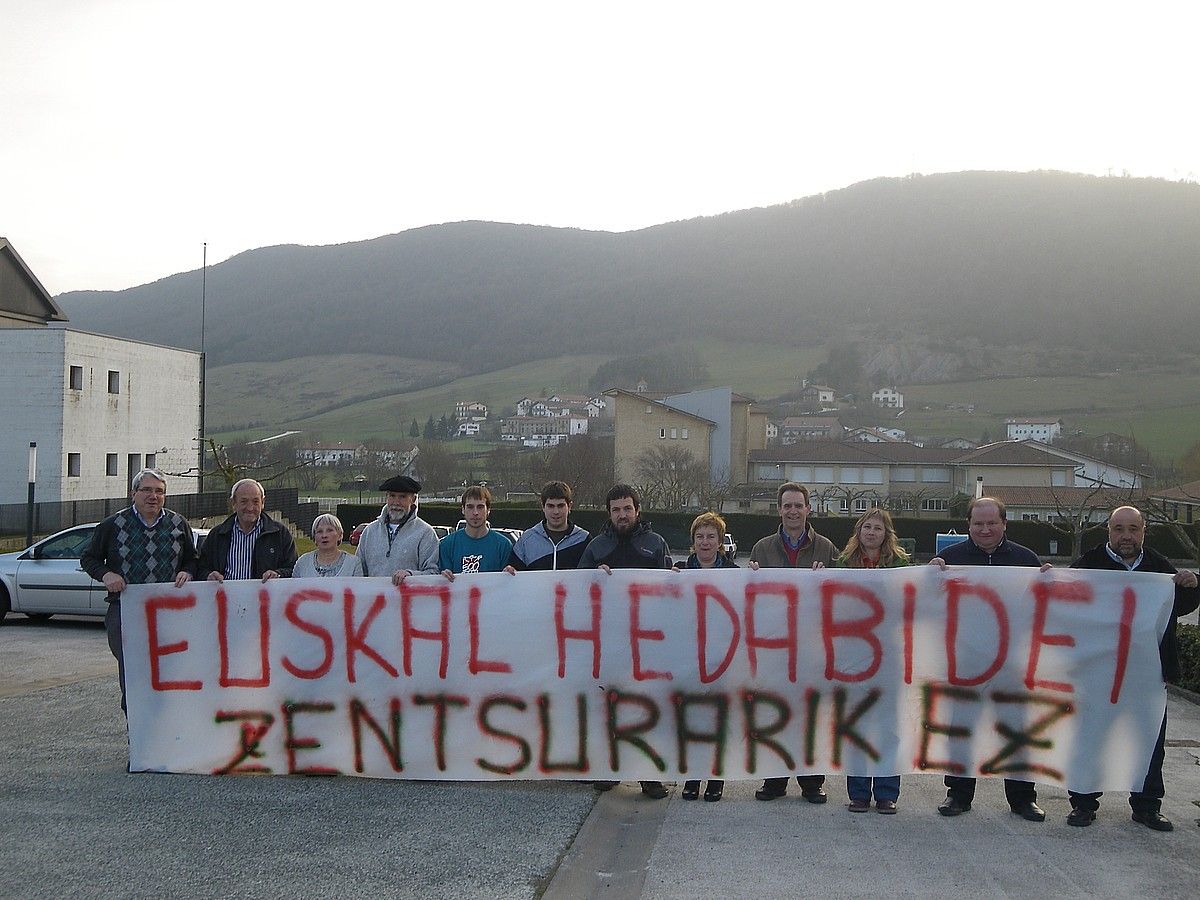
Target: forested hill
1058 262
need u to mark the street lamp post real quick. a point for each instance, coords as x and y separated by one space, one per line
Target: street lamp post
361 479
32 484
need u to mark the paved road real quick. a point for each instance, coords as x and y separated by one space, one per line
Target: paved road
73 823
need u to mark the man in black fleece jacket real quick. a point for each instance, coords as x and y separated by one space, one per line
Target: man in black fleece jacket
627 543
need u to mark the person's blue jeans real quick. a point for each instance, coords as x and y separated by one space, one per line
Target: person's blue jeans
886 787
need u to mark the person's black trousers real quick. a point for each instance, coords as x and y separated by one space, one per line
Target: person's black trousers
807 783
112 625
1017 793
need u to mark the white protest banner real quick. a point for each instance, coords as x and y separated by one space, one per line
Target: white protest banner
1051 677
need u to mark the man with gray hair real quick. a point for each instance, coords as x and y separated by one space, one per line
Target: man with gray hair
249 544
142 544
399 543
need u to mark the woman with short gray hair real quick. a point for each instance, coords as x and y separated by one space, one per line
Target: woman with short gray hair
328 560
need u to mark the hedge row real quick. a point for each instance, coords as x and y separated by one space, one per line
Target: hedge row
749 527
1189 657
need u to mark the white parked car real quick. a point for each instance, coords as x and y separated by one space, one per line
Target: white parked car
46 579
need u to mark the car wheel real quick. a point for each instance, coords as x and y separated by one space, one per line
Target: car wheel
39 617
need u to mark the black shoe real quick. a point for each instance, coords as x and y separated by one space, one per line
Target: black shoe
816 795
1081 818
604 785
954 807
691 790
770 793
1154 820
712 793
654 790
1030 812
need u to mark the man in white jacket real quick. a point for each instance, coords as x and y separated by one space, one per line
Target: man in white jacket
399 543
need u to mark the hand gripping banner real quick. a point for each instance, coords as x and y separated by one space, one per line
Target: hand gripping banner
1051 677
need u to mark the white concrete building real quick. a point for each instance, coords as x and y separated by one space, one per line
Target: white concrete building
99 408
1041 430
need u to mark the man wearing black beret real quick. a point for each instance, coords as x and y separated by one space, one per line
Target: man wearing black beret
399 543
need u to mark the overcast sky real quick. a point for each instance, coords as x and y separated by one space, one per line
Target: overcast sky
132 131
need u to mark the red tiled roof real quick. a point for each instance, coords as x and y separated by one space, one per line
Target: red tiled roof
1184 493
854 451
1010 453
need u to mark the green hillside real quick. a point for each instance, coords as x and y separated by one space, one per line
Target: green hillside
761 371
245 395
1161 408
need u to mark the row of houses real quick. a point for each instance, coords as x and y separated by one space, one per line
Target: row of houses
1036 481
822 395
721 430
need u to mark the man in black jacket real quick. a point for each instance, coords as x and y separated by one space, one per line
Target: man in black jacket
1126 551
142 544
249 544
987 545
627 543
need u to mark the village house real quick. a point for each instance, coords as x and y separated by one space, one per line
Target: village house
888 397
718 427
1042 430
471 410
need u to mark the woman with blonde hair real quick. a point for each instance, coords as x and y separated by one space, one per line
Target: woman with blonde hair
328 560
873 546
708 536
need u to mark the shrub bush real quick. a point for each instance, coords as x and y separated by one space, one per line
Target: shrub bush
1188 637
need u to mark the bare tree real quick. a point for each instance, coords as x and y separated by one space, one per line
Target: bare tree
439 467
1075 509
669 477
239 461
586 463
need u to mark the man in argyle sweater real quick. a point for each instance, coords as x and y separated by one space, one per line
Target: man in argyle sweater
142 544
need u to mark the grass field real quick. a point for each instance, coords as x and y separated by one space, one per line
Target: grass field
291 389
1160 409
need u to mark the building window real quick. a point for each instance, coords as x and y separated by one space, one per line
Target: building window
851 475
823 475
801 474
872 475
935 504
114 384
683 433
928 475
674 433
844 505
73 464
151 460
861 505
904 473
662 433
110 464
77 378
1029 517
1058 478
